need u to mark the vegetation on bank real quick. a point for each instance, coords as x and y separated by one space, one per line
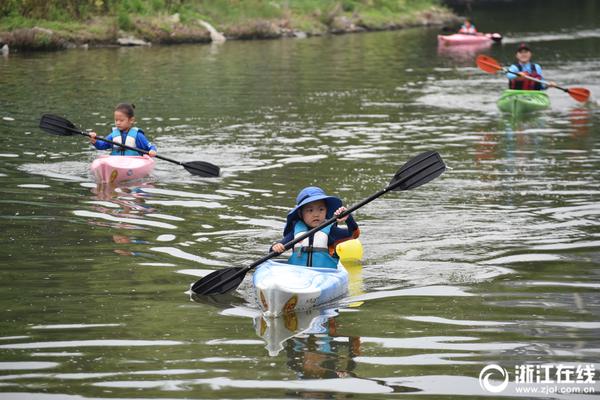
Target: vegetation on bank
48 24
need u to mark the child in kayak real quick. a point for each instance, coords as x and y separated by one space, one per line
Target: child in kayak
524 67
125 133
313 207
468 28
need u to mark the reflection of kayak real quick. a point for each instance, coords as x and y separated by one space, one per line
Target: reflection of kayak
519 101
276 331
461 38
282 288
112 169
462 52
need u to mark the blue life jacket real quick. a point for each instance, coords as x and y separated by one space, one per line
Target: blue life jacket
129 141
314 250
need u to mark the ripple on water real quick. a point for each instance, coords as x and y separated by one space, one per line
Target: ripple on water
166 238
420 359
89 343
469 323
27 365
554 36
66 170
131 222
34 186
178 253
74 326
521 258
346 385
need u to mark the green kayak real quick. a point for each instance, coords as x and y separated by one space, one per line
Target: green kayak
520 101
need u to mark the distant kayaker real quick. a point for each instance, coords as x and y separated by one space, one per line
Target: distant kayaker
312 208
467 28
524 67
124 132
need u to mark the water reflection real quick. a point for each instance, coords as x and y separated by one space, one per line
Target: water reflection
463 54
323 355
580 120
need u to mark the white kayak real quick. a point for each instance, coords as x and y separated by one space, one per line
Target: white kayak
282 288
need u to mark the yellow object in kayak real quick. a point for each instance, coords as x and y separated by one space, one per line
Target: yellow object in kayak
350 250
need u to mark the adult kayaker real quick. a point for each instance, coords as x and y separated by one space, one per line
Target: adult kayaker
468 28
312 208
126 133
524 67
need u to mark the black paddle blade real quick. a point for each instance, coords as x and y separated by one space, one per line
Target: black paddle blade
202 168
219 282
423 168
55 125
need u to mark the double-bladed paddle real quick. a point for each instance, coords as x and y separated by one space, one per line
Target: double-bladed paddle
416 172
55 125
491 66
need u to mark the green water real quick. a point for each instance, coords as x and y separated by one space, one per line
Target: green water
496 261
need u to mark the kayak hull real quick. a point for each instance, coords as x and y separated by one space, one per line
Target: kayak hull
522 101
283 288
114 169
462 39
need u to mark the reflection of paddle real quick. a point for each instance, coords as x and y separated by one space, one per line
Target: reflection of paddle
55 125
418 171
491 66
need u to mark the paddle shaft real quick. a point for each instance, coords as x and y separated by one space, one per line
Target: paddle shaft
531 78
311 232
124 146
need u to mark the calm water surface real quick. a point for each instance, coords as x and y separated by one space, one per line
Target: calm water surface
497 261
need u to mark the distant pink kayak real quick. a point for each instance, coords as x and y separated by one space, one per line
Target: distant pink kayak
112 169
461 38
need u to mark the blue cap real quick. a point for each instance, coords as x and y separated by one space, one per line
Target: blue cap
308 195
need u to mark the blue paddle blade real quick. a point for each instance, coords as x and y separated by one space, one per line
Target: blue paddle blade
423 168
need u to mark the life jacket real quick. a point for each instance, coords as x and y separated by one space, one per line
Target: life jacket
523 83
467 30
129 141
314 250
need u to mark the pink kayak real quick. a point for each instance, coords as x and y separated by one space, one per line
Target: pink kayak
461 38
112 169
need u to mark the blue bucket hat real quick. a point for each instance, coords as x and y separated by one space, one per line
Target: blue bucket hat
308 195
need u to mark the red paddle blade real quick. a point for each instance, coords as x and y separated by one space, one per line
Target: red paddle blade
580 94
488 64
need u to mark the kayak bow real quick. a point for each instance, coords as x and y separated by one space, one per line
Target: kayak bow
282 288
521 101
114 169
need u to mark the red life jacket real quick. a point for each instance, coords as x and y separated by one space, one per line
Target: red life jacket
526 84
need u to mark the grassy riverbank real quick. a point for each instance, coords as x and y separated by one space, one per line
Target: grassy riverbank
53 24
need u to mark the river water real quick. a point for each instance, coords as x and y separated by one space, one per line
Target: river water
495 262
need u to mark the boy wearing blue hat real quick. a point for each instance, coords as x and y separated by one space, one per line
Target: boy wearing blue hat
313 207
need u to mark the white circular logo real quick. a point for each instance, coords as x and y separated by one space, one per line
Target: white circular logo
484 378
